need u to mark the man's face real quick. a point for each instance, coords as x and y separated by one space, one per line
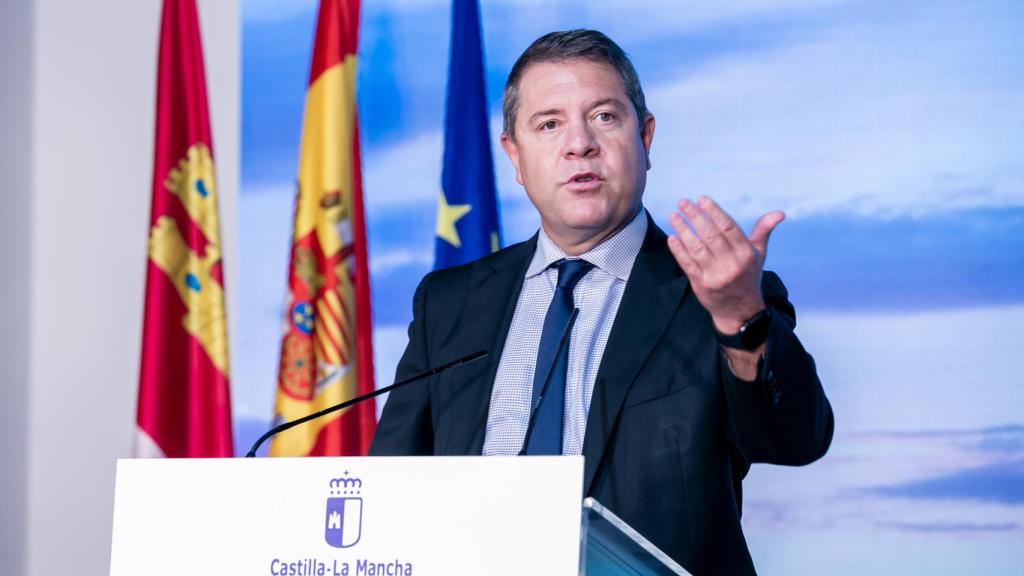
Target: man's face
579 149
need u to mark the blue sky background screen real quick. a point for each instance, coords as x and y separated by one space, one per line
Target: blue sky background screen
892 134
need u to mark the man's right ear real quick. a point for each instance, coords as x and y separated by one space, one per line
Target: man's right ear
512 150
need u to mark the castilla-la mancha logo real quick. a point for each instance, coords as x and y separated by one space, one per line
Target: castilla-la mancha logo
344 512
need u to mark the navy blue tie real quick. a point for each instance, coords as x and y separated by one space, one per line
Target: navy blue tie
547 429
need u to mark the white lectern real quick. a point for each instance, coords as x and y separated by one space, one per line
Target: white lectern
369 517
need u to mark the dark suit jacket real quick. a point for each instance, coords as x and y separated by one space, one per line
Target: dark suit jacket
670 433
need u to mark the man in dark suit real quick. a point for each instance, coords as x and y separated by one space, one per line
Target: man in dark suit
681 368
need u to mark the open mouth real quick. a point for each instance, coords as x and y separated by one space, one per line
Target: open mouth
583 178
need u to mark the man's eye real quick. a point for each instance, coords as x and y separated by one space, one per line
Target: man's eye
549 125
605 117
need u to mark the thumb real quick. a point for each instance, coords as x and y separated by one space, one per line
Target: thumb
763 229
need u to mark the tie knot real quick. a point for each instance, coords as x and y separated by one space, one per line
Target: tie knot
570 272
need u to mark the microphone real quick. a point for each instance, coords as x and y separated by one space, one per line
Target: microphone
436 370
547 380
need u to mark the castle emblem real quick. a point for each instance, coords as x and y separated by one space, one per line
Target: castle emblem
344 521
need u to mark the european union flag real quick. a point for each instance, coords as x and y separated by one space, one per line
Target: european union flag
467 210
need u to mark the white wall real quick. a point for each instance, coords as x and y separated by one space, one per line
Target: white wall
77 139
15 139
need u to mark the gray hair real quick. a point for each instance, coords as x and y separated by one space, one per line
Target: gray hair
569 45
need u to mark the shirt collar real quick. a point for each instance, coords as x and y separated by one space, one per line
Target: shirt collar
614 255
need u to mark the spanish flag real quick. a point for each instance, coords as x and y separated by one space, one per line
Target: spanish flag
184 408
326 353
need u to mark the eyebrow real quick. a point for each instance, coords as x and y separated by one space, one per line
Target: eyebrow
556 111
605 101
542 113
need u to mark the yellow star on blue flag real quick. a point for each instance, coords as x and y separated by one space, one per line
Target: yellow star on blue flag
447 216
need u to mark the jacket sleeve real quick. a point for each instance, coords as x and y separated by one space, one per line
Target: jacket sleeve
783 417
406 427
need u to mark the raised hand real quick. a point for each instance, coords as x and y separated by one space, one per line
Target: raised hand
723 265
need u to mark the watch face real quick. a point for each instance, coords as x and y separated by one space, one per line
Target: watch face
754 332
751 334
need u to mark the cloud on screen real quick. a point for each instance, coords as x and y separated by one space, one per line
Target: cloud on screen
1001 483
906 113
903 480
951 527
992 469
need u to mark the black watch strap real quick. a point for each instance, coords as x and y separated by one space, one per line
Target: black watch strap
752 333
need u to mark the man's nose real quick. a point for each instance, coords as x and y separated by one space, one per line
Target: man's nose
580 141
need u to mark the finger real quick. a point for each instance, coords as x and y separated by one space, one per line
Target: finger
706 230
690 240
721 219
763 229
686 262
676 243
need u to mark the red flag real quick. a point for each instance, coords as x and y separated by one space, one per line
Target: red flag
326 353
184 407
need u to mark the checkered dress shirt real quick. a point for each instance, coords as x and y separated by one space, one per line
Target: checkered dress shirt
597 296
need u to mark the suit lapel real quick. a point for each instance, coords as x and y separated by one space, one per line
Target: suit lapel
495 284
655 288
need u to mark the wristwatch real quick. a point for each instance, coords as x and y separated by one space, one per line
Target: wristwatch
752 333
